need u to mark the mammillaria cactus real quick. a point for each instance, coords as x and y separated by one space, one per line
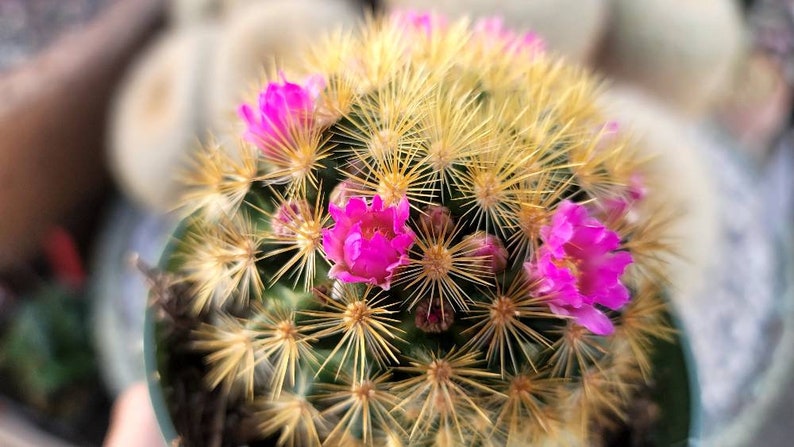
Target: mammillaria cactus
433 238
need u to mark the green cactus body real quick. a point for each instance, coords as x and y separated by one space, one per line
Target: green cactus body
484 137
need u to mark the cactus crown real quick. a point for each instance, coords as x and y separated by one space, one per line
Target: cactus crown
434 239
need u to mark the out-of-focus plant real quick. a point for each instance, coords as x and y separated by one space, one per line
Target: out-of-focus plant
45 351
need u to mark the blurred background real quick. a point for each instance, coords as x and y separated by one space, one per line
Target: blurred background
102 101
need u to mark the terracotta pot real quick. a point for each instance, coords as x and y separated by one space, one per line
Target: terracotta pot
52 123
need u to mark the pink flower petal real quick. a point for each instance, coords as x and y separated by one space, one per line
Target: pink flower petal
332 251
593 319
355 208
352 247
615 298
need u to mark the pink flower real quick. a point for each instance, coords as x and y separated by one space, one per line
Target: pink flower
497 35
279 109
420 21
367 244
578 267
531 42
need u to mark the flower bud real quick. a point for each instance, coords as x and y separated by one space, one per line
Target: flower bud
320 292
490 247
623 207
637 189
343 192
288 217
437 219
431 318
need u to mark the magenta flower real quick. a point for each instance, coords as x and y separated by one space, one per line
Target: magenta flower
497 35
531 42
367 244
420 21
280 107
579 268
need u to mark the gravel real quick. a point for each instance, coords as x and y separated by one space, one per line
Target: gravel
29 26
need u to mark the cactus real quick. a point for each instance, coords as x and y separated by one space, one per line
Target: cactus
157 115
435 238
653 45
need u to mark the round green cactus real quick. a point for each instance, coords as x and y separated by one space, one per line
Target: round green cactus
436 238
